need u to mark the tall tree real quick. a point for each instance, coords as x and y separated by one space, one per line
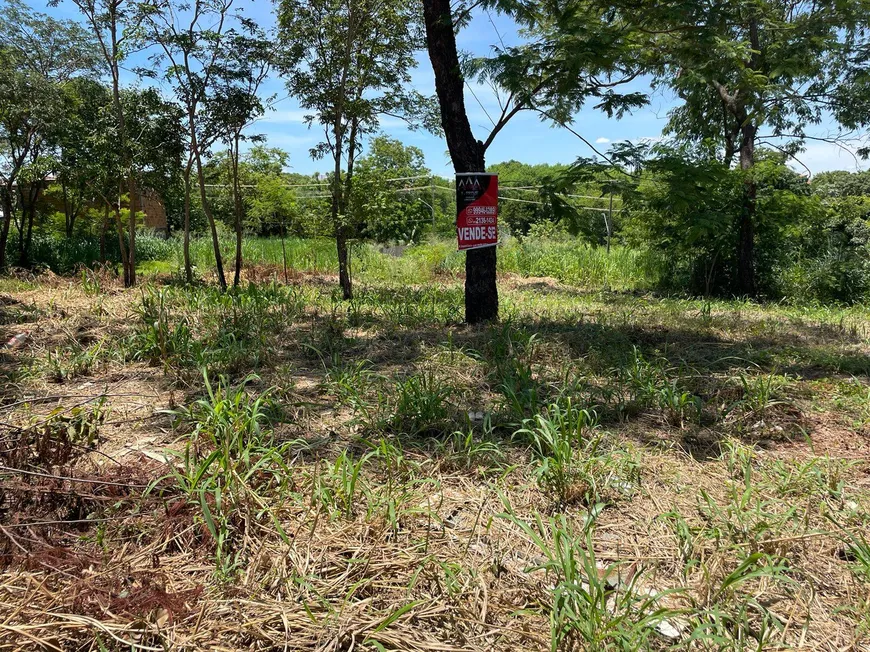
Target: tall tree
79 163
157 126
236 103
392 199
115 26
25 110
193 40
851 70
574 51
743 67
349 62
58 50
37 57
273 203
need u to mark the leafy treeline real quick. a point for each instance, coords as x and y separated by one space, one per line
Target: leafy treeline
85 137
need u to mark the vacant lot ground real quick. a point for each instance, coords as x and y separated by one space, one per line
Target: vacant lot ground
274 469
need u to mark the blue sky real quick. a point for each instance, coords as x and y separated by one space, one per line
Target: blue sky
525 139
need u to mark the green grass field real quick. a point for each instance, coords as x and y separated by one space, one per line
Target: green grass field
571 261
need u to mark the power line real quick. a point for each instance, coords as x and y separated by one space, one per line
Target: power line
522 201
588 197
540 203
318 184
414 188
533 188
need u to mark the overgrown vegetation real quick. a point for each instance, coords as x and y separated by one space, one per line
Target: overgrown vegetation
602 470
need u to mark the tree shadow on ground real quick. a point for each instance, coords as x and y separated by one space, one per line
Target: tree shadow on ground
705 362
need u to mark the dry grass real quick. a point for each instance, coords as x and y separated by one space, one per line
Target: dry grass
433 547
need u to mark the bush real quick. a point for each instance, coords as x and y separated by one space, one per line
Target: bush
807 244
151 246
830 259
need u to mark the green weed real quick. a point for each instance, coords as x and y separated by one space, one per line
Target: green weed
729 616
759 393
229 464
510 352
468 450
422 405
592 606
62 365
336 486
572 463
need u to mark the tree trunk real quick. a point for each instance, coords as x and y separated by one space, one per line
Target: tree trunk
339 215
746 228
188 269
121 245
22 226
131 225
103 230
71 210
28 219
730 134
237 207
113 58
7 220
338 220
466 152
35 192
344 271
68 222
343 264
200 175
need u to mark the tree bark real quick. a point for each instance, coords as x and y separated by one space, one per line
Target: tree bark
466 152
188 269
71 210
338 220
7 220
28 216
112 54
121 245
746 229
344 272
343 264
237 208
200 174
339 213
22 225
67 211
131 251
337 217
34 197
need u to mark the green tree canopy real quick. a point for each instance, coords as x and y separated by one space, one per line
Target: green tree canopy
391 200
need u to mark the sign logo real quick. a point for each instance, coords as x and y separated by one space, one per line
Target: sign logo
476 210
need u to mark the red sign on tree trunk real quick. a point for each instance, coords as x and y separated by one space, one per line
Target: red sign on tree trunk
476 210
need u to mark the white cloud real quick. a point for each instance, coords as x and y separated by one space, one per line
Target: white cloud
602 141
